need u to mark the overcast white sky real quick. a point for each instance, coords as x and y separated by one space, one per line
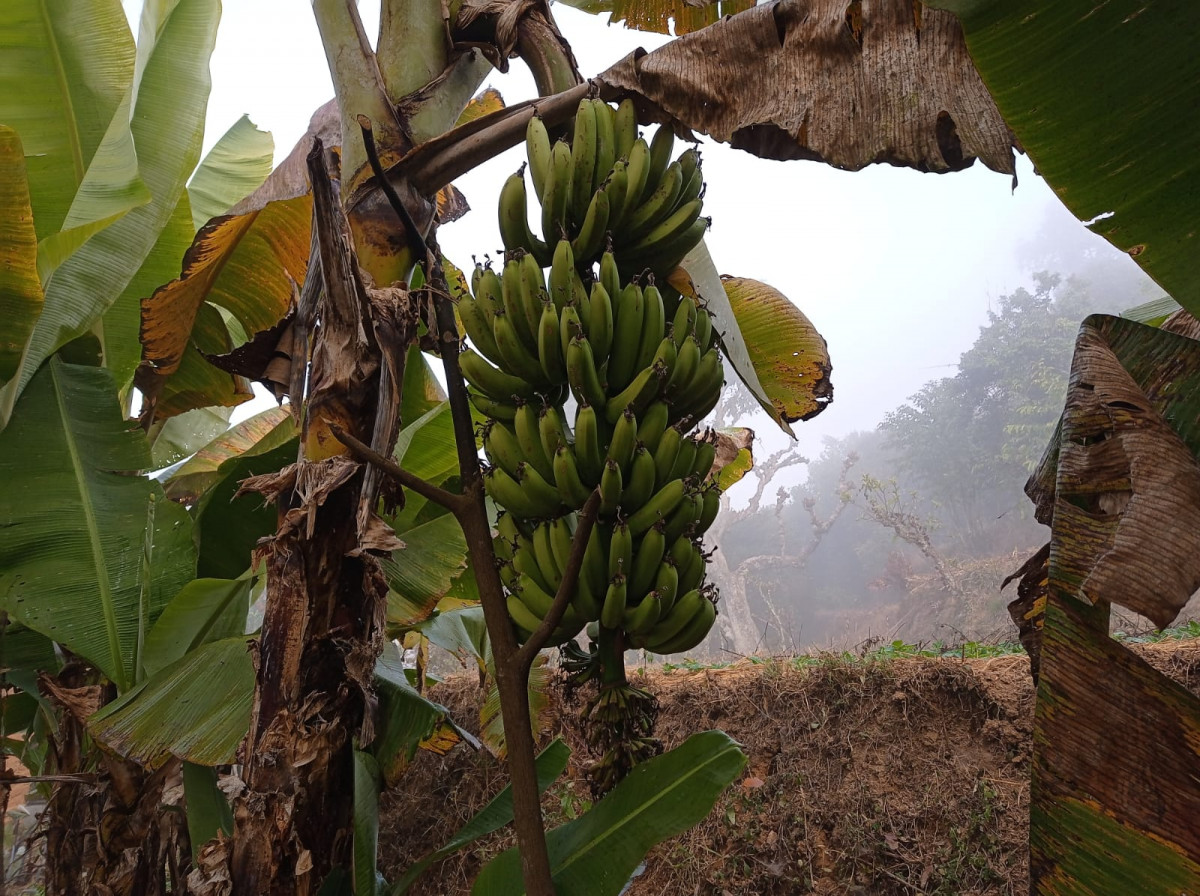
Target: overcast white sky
897 269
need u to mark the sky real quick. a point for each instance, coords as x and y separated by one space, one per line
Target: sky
897 269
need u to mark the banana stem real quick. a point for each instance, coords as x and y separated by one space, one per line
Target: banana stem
611 649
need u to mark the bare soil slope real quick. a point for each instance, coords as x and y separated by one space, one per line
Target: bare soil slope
875 778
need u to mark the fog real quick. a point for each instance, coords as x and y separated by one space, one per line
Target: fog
898 270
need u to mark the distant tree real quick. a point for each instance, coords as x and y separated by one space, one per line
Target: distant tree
970 441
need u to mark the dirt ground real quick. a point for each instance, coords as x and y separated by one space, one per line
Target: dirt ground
865 778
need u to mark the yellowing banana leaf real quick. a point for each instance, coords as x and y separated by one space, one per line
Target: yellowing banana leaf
486 102
1102 97
735 455
491 721
234 168
90 550
658 16
197 708
598 852
848 84
65 70
772 346
256 435
20 289
167 124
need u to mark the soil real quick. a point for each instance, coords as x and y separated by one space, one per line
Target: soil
865 777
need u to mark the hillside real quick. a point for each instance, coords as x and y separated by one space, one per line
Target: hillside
867 777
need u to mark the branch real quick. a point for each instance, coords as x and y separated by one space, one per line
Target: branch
566 588
430 492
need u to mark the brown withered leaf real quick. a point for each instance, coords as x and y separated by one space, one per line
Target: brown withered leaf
1028 610
1120 484
889 81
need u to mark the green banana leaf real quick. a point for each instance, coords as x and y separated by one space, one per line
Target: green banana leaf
550 764
1152 314
229 526
65 71
207 809
20 289
462 632
435 549
91 550
168 96
234 168
255 435
205 610
772 346
407 721
197 708
175 438
1102 98
367 783
596 853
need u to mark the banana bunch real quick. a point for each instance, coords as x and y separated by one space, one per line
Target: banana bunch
607 185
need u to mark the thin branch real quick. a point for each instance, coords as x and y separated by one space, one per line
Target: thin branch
410 226
427 490
566 588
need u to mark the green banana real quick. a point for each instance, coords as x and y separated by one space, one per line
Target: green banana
533 294
527 429
570 325
543 553
684 460
606 147
587 444
522 616
557 195
666 584
562 267
490 380
683 518
583 159
625 129
540 492
552 429
653 210
662 260
646 560
507 492
691 575
639 485
682 322
610 276
665 454
501 447
689 162
477 325
673 226
582 373
585 601
627 334
537 148
514 220
662 146
595 561
665 500
620 551
687 359
685 609
590 241
712 504
680 553
550 354
638 169
611 486
518 360
654 324
624 435
600 320
636 396
490 292
490 407
612 613
693 632
640 618
704 389
525 563
561 532
652 424
566 476
706 455
704 329
616 186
